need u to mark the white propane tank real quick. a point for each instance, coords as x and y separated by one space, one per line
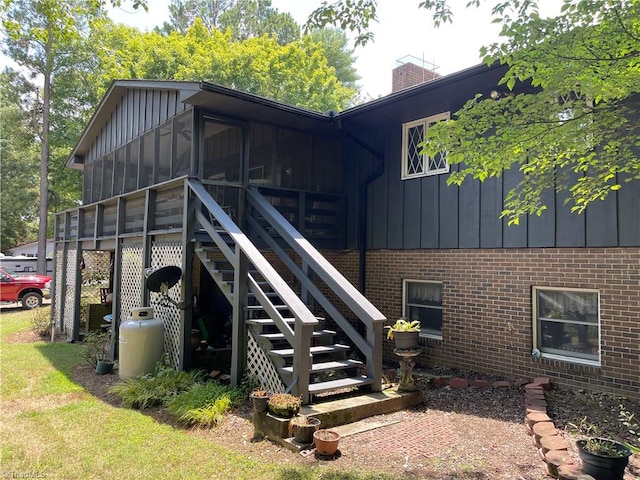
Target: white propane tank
141 342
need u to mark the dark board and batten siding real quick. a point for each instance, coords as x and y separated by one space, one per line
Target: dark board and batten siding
137 111
426 213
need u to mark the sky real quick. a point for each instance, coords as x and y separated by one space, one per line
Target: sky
403 29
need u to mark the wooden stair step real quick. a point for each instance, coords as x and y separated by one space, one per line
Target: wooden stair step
260 307
326 366
358 381
280 336
320 349
267 321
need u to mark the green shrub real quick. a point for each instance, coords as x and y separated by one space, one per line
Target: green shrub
95 347
205 403
155 389
41 322
209 415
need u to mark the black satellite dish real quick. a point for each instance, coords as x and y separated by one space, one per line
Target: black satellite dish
161 279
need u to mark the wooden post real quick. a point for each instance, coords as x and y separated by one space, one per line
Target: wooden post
302 359
239 329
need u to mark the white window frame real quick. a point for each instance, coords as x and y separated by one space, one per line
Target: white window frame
424 332
425 123
537 326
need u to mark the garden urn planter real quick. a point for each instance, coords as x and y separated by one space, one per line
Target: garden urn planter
260 401
326 441
303 428
406 340
607 461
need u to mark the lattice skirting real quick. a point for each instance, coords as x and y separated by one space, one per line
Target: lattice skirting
132 277
58 297
260 366
165 253
70 292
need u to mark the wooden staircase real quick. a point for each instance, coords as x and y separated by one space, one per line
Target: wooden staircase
328 358
276 335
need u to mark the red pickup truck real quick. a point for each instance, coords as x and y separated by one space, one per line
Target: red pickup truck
27 289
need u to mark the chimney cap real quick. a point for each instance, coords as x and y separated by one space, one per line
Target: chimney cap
421 62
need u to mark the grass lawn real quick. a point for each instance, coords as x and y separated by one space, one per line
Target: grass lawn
53 428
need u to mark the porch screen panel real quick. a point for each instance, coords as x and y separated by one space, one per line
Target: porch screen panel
131 280
70 291
182 133
87 183
96 186
131 172
165 252
164 154
118 171
294 157
147 160
107 176
222 152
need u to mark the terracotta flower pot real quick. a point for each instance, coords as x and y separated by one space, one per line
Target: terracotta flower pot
326 441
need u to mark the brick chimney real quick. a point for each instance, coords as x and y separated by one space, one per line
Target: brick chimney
412 71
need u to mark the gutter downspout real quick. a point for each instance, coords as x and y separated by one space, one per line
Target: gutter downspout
363 188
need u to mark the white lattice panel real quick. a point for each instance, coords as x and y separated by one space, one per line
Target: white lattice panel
259 365
163 254
131 278
57 293
70 290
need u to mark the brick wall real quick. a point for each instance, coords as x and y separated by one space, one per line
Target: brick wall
487 308
409 74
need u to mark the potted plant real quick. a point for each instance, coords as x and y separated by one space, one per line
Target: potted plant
284 405
404 333
602 458
302 428
326 441
96 350
259 399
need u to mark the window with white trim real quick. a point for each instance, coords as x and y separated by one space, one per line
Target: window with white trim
415 164
566 324
422 301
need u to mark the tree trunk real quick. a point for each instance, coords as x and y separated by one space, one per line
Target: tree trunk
44 165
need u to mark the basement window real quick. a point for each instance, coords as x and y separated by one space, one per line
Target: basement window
566 324
414 164
422 301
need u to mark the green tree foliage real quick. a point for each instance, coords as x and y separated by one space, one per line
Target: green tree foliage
574 130
339 55
245 19
39 36
296 73
20 165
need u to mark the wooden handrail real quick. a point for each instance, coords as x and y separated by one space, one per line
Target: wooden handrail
288 296
351 297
